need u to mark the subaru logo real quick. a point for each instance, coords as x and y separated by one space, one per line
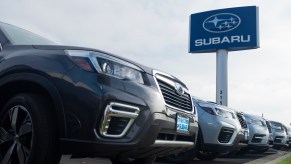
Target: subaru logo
179 89
222 22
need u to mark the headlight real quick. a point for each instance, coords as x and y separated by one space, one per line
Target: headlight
255 122
106 64
223 113
208 110
217 111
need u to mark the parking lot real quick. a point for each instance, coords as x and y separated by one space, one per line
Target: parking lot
249 158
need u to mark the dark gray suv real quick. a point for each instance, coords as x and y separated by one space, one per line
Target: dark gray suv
58 100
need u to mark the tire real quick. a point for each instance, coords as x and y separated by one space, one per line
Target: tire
27 131
183 157
242 151
120 160
276 147
207 156
263 150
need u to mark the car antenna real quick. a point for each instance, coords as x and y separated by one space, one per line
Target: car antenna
1 48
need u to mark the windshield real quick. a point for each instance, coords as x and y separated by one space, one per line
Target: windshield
277 126
255 121
18 36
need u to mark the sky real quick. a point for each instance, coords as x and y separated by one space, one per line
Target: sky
156 32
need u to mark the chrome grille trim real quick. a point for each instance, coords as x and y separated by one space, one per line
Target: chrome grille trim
130 112
242 120
170 83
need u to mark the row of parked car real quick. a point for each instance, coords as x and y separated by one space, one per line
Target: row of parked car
226 131
57 100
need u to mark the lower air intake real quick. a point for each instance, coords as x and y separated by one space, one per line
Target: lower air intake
118 119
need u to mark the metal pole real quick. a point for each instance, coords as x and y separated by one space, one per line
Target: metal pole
221 76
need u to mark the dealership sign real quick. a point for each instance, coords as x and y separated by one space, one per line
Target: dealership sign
231 29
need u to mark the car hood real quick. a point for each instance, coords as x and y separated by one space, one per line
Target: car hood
56 47
62 47
211 105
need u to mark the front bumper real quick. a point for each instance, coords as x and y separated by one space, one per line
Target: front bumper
221 134
158 138
280 141
257 146
86 97
239 142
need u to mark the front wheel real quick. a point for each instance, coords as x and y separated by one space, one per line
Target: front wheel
263 150
121 160
203 155
183 157
27 134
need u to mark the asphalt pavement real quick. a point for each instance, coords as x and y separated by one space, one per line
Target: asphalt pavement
272 156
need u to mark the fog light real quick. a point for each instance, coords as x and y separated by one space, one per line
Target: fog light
117 119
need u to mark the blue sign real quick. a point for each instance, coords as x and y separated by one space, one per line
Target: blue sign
232 29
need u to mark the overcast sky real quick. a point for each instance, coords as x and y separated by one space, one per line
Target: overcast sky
155 33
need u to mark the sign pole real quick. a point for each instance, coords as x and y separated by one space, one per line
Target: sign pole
221 76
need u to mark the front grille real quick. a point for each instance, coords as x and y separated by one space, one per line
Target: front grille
117 125
225 135
278 139
182 102
242 121
257 138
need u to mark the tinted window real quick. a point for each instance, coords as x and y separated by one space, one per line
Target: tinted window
18 36
277 126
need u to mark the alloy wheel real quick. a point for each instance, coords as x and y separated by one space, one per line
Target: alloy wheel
16 136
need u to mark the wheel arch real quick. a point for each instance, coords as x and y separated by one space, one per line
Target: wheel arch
13 84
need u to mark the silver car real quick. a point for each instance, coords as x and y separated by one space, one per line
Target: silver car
258 133
288 130
279 134
271 138
221 129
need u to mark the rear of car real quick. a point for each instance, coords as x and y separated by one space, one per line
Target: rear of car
221 129
258 133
